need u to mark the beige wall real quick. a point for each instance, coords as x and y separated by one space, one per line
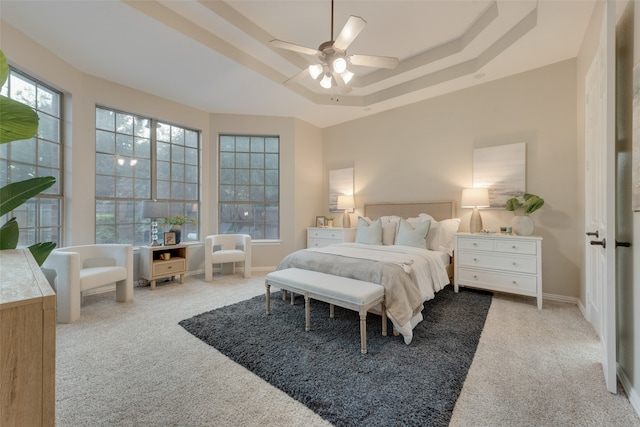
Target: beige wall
424 152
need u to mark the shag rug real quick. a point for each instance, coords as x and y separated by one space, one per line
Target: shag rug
393 385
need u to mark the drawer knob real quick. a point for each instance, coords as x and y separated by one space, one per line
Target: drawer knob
515 265
475 259
514 282
514 247
475 277
475 244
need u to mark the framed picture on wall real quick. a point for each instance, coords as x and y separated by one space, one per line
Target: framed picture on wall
501 169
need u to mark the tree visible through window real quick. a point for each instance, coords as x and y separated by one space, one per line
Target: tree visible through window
40 218
249 196
138 158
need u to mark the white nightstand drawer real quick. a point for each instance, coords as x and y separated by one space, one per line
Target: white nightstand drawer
479 244
519 264
516 247
325 233
313 242
524 285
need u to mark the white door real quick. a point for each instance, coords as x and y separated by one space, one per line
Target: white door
600 195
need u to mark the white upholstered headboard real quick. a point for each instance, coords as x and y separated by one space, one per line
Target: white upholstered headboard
443 209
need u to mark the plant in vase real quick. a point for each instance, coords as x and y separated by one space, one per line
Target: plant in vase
175 223
523 224
329 221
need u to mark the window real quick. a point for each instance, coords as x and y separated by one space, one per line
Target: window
40 218
139 158
249 186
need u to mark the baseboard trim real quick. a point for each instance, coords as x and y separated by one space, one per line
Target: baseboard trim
561 298
634 397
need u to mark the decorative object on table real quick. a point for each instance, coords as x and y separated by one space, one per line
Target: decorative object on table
340 182
320 221
170 238
475 198
154 209
346 203
328 220
522 224
175 224
501 169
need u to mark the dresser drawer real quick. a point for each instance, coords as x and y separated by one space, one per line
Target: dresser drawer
480 244
491 260
325 233
515 247
169 268
313 242
519 284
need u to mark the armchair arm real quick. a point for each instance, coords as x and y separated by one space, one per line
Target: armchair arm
66 283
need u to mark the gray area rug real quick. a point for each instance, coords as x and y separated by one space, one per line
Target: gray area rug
393 385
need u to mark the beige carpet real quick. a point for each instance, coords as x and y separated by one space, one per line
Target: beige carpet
131 364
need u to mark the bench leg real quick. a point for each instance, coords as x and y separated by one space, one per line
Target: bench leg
293 296
268 286
284 294
384 319
363 332
307 312
331 311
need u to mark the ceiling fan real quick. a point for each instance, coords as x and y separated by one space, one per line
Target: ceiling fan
333 56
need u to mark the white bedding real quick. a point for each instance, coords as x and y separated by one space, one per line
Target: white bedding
417 276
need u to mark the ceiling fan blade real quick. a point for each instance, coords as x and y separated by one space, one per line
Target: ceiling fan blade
302 74
294 47
349 32
374 61
344 88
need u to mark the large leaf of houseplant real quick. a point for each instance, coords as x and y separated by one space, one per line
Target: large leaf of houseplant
14 194
17 121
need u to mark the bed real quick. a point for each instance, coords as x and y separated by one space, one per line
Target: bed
389 251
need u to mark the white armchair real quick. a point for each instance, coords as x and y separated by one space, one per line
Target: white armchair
223 248
80 268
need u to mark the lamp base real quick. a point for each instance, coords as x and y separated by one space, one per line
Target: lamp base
346 220
154 233
475 226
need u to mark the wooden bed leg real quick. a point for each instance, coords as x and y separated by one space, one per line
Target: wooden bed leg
268 286
331 311
384 319
284 295
307 312
363 332
292 297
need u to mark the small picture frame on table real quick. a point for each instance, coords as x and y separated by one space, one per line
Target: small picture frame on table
169 238
320 221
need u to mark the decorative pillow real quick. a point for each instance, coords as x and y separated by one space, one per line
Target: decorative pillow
409 235
369 233
440 237
389 229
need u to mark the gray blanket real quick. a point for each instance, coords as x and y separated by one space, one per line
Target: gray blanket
402 294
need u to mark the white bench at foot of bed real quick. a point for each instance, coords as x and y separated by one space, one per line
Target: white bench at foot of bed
344 292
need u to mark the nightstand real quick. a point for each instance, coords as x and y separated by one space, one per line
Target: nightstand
318 237
499 262
157 262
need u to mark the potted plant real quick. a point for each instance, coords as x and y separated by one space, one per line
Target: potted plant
329 221
523 224
176 222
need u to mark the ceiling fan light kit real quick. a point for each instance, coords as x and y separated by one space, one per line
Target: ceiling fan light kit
333 56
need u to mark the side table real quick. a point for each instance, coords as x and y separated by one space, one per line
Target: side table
163 261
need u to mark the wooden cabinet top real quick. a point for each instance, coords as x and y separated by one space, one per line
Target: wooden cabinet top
22 282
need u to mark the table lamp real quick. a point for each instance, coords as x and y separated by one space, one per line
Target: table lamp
154 209
475 198
347 203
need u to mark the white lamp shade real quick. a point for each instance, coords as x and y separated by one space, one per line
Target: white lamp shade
315 70
326 81
154 209
475 198
346 202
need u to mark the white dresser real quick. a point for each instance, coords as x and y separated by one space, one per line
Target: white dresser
499 262
319 237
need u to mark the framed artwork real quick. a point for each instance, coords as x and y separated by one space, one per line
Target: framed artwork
501 169
340 182
320 221
169 238
635 172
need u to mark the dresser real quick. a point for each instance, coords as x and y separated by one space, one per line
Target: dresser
318 237
499 262
27 342
163 261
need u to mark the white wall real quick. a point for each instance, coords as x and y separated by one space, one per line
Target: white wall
424 152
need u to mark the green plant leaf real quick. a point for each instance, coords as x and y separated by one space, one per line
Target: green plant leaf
14 194
17 121
4 68
512 204
536 203
41 251
9 234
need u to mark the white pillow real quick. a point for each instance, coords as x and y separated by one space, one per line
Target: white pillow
369 233
409 235
389 229
440 237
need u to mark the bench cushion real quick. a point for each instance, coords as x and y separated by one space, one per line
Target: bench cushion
342 288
